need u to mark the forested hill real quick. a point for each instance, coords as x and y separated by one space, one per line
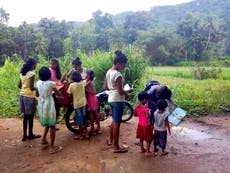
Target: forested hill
166 35
169 16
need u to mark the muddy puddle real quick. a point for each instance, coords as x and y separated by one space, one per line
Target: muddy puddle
191 133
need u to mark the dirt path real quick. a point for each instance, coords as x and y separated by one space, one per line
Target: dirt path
193 148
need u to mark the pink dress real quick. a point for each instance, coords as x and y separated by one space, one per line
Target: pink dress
144 130
92 102
53 76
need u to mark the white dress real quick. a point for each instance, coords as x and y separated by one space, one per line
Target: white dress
46 105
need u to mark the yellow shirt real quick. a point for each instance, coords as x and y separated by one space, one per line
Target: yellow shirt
25 81
77 89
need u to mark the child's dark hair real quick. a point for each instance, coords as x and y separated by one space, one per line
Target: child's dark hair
57 69
164 93
91 74
143 95
28 66
162 104
76 76
44 73
119 58
77 61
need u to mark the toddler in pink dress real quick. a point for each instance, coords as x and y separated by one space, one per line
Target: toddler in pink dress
92 102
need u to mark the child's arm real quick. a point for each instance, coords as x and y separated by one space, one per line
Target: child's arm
91 87
32 88
105 85
167 124
20 84
135 112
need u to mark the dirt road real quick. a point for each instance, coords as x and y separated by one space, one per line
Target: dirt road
193 148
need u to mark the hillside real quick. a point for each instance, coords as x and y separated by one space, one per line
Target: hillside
169 16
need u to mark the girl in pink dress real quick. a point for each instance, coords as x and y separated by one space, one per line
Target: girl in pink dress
92 102
56 75
144 130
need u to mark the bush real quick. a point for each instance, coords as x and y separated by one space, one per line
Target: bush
100 62
205 73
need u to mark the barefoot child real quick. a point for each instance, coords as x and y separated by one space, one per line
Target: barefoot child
144 130
46 108
77 89
27 98
92 102
161 124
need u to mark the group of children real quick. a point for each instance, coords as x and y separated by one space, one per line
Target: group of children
82 89
146 125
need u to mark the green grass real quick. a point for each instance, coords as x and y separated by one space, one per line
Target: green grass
185 72
196 96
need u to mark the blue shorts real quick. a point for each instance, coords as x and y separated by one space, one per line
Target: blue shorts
117 111
80 116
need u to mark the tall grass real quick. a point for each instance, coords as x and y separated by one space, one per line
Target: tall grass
196 96
9 91
100 62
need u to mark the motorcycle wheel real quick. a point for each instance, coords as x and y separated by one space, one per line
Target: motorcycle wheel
70 121
128 112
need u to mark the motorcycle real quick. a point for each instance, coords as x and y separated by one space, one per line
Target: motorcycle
104 112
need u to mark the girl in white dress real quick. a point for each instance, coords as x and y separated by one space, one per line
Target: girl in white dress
46 107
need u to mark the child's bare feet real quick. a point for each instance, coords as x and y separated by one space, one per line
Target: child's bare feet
76 137
44 142
98 130
163 153
86 135
149 154
24 138
55 149
143 150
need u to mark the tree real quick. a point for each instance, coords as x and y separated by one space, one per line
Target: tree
25 40
4 16
103 25
134 23
54 33
41 44
198 36
158 45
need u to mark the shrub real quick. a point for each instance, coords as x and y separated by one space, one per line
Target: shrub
205 73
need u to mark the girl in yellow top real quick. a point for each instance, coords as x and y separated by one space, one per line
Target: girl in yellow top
77 90
27 98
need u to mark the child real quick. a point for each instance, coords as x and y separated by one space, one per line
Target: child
55 70
92 102
161 125
76 63
56 77
46 108
77 89
144 130
27 97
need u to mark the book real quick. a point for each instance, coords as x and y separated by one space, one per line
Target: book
127 87
176 116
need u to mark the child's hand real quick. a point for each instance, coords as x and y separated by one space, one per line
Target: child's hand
170 133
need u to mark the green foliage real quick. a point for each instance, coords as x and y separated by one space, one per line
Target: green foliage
205 73
195 96
100 62
9 91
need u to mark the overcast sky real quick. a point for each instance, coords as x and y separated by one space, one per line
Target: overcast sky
32 11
